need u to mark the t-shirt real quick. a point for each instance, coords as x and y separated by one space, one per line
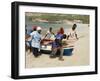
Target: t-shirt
72 34
49 35
59 36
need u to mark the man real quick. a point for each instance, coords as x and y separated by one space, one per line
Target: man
72 33
36 39
49 34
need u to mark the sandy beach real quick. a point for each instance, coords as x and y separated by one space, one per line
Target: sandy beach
80 56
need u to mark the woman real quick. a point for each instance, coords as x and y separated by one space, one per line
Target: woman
57 44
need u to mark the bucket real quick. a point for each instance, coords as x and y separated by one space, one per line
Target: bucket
68 51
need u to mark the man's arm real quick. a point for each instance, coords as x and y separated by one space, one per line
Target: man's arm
76 35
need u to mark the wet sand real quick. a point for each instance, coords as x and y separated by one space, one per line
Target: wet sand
80 56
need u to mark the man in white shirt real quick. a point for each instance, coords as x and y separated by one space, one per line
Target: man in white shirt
50 34
36 39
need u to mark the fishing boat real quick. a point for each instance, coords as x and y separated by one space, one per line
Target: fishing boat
47 49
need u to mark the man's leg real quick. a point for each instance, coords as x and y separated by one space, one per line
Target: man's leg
53 53
35 51
30 46
61 54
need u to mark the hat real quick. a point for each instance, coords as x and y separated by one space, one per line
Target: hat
39 28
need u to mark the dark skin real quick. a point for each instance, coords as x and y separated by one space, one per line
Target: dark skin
50 29
39 31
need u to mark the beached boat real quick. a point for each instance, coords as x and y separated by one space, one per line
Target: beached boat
48 48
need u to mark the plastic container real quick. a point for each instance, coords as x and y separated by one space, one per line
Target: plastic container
68 51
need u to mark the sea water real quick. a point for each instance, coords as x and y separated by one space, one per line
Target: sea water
55 26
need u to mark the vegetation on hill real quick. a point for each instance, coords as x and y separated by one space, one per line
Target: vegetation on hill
52 17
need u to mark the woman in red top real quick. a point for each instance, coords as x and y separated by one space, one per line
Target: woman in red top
61 31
